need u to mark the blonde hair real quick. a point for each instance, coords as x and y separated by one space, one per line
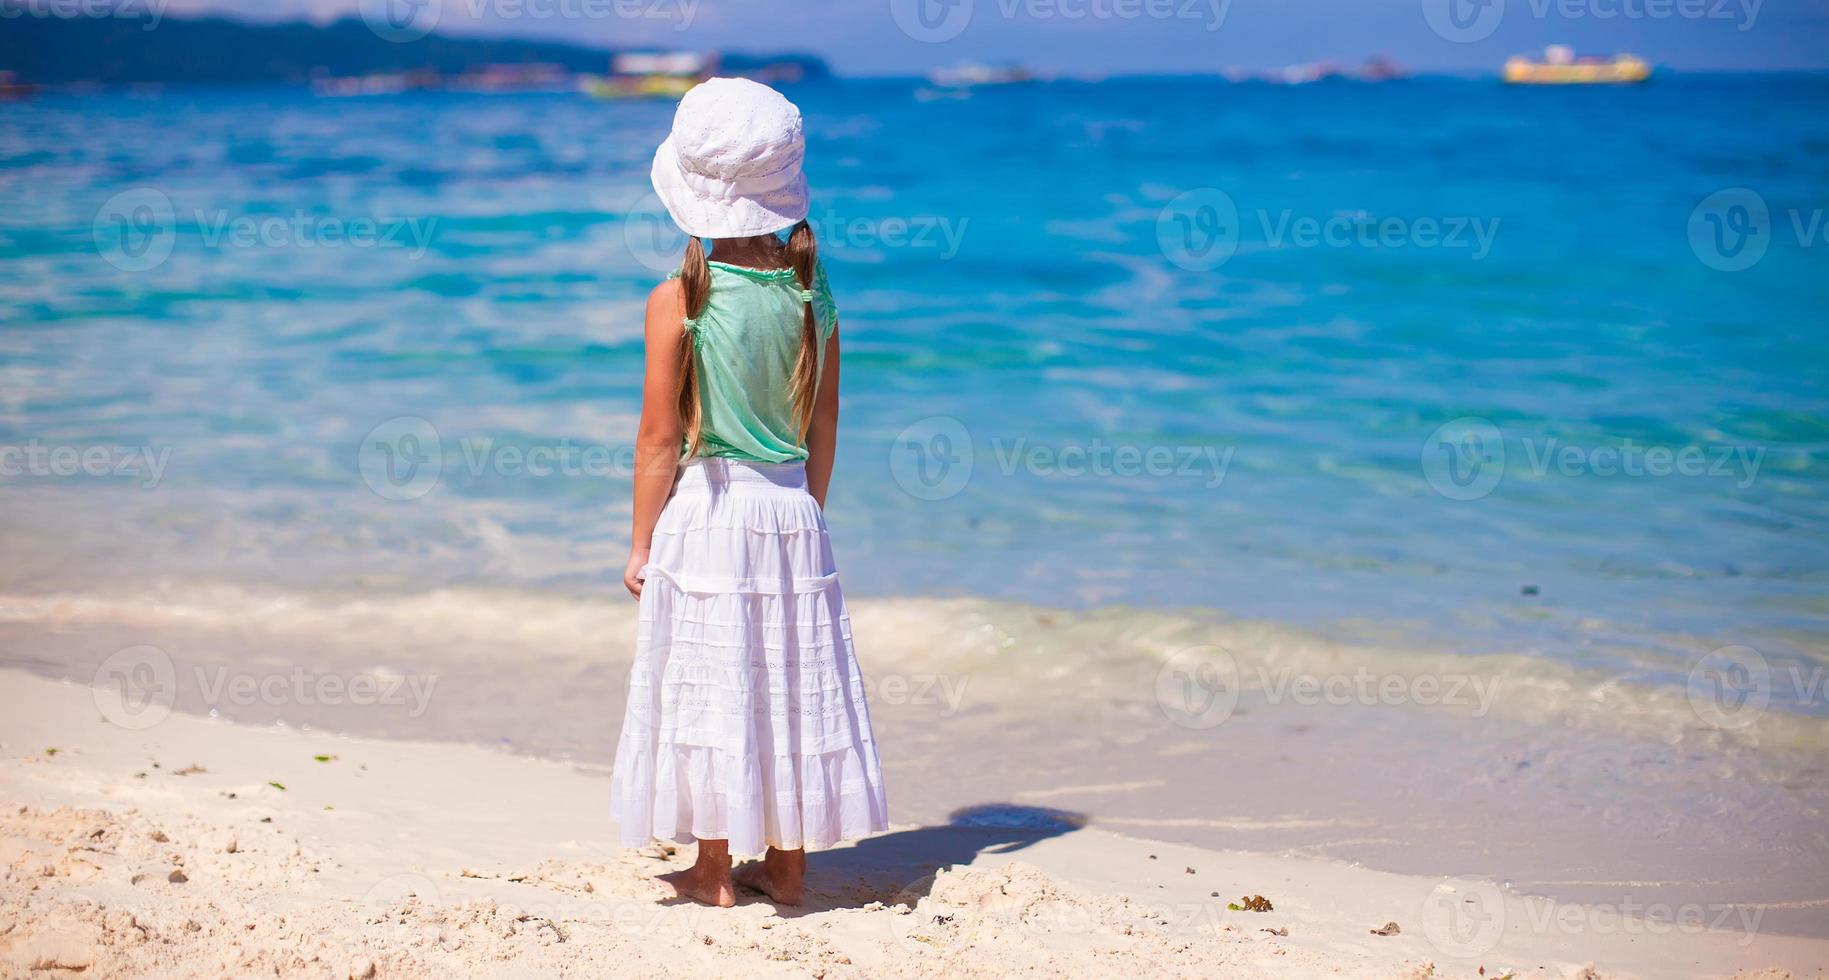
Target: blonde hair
695 283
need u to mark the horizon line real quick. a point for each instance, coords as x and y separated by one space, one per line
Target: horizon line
1051 73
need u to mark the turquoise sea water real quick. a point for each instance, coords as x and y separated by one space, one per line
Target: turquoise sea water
1496 369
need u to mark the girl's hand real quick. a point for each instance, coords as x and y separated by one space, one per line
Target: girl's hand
631 574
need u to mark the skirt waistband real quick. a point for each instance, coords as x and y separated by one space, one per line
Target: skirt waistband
712 472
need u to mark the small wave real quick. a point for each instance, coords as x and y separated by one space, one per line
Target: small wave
1029 661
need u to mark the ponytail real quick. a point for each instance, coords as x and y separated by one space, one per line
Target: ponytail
695 283
803 257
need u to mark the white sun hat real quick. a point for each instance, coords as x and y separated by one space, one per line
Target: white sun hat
731 166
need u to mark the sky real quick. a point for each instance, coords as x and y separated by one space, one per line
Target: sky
1096 37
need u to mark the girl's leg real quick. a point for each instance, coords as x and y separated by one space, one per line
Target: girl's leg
781 875
708 880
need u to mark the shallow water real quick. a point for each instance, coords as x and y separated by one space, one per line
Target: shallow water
1029 326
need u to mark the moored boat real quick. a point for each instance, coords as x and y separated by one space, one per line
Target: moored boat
1560 67
650 76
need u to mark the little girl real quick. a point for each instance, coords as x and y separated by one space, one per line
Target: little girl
746 724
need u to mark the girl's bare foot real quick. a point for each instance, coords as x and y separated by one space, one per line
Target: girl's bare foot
781 875
708 880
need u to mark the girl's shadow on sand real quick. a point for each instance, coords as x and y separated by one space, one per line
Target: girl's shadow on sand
899 868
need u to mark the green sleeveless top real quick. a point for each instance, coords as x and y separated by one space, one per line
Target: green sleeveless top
745 343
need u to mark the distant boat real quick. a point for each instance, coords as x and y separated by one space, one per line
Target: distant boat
973 75
534 77
650 76
380 83
642 87
488 79
1560 67
1379 68
11 89
1376 69
1309 73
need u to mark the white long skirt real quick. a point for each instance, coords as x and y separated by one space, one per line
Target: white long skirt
746 717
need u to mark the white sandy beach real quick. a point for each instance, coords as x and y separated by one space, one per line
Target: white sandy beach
196 847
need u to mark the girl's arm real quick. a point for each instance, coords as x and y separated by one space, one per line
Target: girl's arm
657 442
822 435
